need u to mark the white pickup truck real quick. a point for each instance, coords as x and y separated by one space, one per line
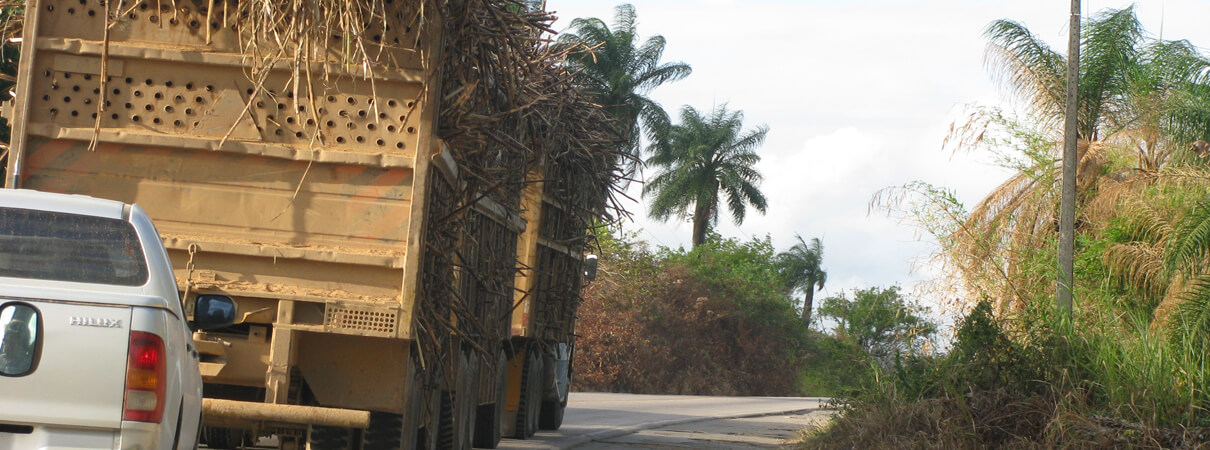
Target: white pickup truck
95 351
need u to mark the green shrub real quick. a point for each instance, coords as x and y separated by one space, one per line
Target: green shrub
835 367
706 322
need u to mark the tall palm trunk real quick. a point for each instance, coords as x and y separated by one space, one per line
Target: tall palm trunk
807 303
703 212
701 223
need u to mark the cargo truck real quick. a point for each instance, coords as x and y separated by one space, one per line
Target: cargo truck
406 272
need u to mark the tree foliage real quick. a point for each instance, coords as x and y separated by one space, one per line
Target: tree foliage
1128 82
1143 105
712 321
881 321
802 267
622 72
703 160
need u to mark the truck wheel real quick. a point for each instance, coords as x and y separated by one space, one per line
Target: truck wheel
467 397
489 424
413 433
222 438
327 438
551 417
531 395
458 428
385 432
445 421
416 428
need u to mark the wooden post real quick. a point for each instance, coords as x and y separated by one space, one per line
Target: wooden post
281 356
19 137
1067 206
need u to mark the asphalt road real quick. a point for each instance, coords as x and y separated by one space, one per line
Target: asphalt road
605 421
595 420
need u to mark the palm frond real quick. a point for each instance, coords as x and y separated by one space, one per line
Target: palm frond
736 203
1190 241
1139 267
1187 308
1110 47
1028 69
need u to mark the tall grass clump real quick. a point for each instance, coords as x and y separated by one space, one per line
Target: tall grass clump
1033 381
1148 377
988 391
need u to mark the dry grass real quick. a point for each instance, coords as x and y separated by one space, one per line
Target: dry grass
992 419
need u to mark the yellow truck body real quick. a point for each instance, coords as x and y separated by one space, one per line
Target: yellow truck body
317 205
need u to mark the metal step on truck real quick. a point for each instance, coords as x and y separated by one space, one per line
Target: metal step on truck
395 193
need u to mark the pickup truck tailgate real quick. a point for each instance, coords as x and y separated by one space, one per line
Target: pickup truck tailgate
80 372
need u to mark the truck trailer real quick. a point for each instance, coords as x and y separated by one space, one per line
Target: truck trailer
396 194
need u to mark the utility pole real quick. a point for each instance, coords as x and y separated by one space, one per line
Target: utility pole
1067 206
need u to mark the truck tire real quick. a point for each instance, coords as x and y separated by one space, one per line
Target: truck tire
414 435
489 423
531 395
551 417
327 438
468 401
222 438
458 423
445 421
384 433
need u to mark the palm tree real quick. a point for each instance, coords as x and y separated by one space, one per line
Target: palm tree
1141 103
622 73
699 158
1129 86
801 266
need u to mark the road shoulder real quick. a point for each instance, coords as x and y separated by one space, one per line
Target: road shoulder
753 431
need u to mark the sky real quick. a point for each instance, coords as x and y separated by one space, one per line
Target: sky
858 96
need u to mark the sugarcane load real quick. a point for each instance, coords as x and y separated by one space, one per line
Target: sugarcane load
397 195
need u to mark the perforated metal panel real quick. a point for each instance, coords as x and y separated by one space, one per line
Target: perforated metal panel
182 23
365 321
169 75
183 99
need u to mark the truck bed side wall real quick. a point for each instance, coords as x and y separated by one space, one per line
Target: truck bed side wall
304 205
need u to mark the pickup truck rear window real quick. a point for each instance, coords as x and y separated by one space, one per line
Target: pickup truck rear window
70 247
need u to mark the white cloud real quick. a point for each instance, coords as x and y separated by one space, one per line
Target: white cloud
846 155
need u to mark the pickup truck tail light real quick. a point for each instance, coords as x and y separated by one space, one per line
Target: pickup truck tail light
146 373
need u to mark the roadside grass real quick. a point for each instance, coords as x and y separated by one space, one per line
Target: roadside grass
1032 381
